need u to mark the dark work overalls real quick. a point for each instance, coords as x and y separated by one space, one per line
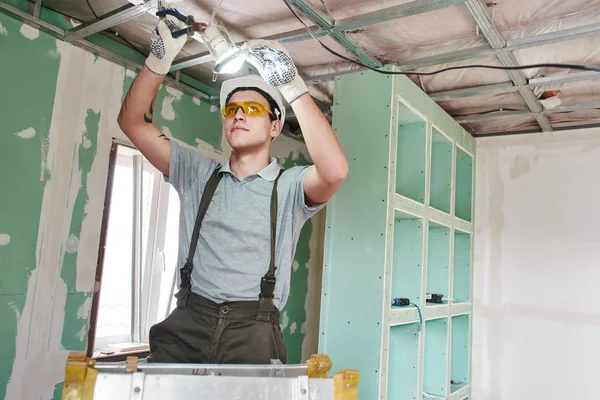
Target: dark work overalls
238 332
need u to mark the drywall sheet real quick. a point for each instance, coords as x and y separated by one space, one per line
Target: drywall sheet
55 139
537 260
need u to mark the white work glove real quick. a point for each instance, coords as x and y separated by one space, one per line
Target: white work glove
163 46
276 67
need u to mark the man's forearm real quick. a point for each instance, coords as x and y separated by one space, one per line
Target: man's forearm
138 106
322 144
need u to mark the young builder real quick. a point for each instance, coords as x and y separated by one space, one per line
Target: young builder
236 278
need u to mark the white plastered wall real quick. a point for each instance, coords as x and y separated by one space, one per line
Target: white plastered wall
536 332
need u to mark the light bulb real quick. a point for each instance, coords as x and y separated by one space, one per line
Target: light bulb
229 58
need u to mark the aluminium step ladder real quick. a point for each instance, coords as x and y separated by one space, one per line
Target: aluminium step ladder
87 379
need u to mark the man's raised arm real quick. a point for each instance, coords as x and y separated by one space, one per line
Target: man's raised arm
135 117
330 167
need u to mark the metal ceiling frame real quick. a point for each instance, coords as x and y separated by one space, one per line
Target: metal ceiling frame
331 27
524 113
116 17
549 83
325 26
483 20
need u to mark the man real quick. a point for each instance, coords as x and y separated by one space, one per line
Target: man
235 269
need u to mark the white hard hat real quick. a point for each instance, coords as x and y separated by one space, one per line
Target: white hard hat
253 82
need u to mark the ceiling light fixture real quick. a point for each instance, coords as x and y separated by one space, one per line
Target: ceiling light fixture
229 57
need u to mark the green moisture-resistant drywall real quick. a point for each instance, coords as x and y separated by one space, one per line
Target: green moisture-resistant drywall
408 258
403 363
381 239
441 172
462 267
436 339
438 260
464 182
29 69
410 163
187 118
293 315
459 369
354 266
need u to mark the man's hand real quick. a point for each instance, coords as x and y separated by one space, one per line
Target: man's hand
330 168
277 68
163 46
135 118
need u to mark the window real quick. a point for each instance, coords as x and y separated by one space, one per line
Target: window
140 230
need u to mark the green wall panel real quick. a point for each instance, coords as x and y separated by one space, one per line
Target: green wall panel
464 183
294 309
438 260
26 103
86 153
354 266
75 328
441 172
459 372
436 341
21 156
408 258
191 120
403 364
410 162
462 266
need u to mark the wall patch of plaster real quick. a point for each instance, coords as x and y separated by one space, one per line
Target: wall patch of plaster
84 311
285 320
87 143
15 309
72 244
196 100
295 265
3 30
29 32
4 239
178 94
167 111
213 108
27 133
293 328
130 73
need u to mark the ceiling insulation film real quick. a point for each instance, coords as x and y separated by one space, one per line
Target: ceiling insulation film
416 35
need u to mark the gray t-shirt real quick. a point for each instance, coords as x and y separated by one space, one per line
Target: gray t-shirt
233 251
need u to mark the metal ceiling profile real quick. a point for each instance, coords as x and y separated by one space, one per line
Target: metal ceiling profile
550 82
116 17
483 20
327 24
577 25
521 113
383 15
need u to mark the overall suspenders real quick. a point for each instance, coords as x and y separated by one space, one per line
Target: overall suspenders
267 283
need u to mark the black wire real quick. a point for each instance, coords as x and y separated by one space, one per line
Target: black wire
518 67
90 6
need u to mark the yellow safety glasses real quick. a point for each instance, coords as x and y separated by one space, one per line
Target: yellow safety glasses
250 108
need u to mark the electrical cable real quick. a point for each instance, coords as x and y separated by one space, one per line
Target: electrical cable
420 316
469 66
214 13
